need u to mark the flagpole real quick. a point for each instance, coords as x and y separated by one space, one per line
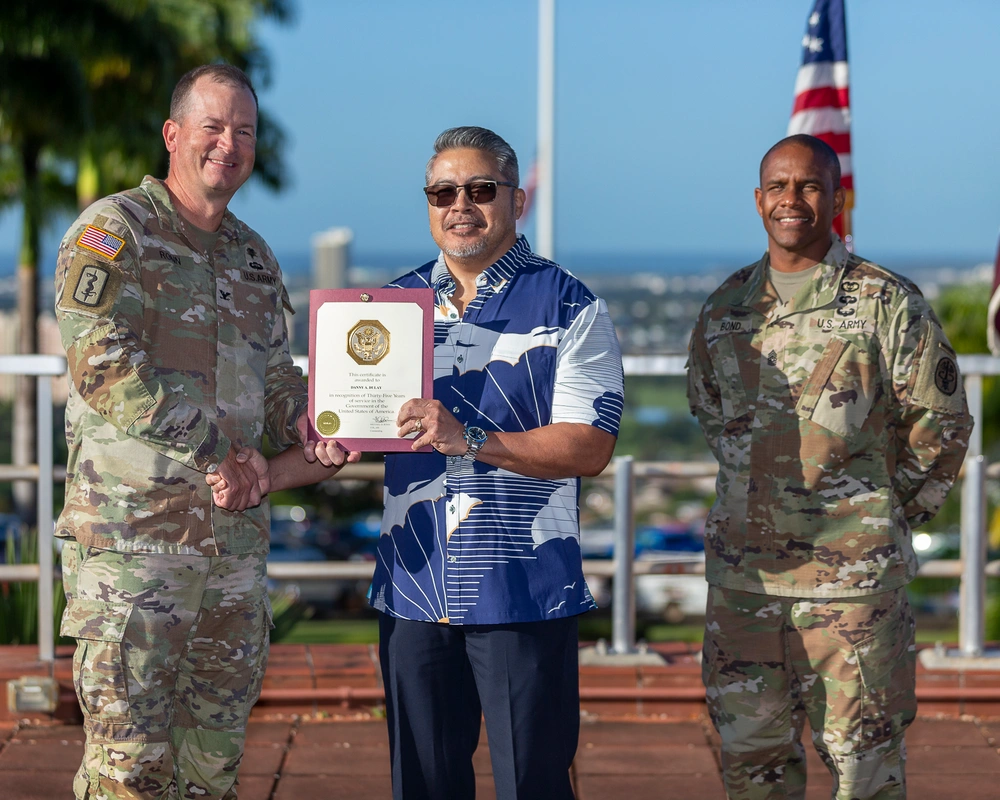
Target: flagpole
544 195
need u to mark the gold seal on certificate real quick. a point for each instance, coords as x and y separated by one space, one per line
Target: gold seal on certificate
368 342
328 423
370 350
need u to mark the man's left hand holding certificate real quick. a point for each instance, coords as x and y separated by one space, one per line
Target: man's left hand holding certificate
370 352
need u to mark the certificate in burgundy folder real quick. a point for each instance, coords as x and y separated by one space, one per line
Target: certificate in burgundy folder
370 350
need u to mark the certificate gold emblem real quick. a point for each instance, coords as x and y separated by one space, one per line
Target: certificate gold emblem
368 342
328 423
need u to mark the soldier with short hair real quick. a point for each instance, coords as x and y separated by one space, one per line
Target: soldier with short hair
832 400
171 311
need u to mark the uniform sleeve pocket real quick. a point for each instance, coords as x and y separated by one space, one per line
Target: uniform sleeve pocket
841 388
99 663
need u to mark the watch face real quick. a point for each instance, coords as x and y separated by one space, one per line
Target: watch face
475 435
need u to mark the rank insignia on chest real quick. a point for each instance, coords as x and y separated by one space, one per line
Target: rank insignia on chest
98 240
253 259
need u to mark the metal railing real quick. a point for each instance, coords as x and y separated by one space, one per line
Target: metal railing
971 568
42 368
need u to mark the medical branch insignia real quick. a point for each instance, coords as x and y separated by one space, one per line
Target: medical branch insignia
99 241
327 423
90 286
946 376
368 342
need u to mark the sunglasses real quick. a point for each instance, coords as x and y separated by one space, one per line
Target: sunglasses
479 192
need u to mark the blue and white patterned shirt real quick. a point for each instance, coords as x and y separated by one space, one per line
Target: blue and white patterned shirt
472 544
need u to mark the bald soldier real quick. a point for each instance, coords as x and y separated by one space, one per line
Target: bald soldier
832 400
171 311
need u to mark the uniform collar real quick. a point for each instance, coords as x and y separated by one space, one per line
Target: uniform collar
170 219
497 275
821 291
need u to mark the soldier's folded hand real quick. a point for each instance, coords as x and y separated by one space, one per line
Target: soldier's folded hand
241 481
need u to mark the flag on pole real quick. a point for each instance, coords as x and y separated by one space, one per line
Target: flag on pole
822 95
992 317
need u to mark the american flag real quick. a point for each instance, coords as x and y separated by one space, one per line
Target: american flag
101 241
822 94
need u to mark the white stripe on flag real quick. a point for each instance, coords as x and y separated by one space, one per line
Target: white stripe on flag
820 120
845 164
822 73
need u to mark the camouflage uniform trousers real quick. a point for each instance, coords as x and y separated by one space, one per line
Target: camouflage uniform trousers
846 664
170 657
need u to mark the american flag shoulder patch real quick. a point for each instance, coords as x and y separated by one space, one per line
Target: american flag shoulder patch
100 241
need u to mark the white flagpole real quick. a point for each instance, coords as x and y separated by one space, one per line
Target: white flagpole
545 244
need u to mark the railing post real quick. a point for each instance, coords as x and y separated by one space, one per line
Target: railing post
971 613
623 597
46 640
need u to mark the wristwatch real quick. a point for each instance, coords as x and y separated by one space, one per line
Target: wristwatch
475 438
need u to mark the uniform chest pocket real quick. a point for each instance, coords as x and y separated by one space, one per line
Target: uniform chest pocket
725 357
839 393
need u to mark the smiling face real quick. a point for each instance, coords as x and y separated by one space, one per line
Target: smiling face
471 236
212 147
797 201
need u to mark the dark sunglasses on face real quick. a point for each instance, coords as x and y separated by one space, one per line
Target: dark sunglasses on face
479 192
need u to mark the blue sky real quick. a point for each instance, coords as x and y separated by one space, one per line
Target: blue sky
663 112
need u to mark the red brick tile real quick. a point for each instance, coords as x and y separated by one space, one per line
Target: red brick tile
942 759
255 787
661 760
43 755
641 787
616 708
640 734
321 787
20 785
284 680
268 733
938 787
262 760
68 733
339 734
948 732
314 760
942 708
357 680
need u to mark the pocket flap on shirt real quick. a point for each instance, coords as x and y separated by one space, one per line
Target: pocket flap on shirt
96 620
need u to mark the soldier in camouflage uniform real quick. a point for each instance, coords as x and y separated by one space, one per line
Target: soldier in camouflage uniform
171 313
831 398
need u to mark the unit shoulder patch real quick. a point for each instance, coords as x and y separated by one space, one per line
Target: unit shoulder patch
100 241
946 375
90 288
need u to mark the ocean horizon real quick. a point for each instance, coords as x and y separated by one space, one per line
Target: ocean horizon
298 264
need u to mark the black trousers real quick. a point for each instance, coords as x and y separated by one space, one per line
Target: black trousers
440 680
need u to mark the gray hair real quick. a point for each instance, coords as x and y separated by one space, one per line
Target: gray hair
473 138
219 73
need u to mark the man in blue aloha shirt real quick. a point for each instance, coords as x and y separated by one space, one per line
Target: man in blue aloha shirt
478 576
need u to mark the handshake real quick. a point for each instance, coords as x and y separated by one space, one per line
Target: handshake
245 476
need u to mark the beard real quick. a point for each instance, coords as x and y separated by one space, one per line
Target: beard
470 250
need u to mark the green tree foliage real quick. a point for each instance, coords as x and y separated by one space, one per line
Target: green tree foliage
84 88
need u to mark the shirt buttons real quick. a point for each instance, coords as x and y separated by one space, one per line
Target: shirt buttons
460 359
452 315
454 410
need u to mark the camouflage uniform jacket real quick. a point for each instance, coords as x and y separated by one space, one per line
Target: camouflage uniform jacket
174 355
838 420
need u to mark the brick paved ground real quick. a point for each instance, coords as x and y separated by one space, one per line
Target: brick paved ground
317 734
